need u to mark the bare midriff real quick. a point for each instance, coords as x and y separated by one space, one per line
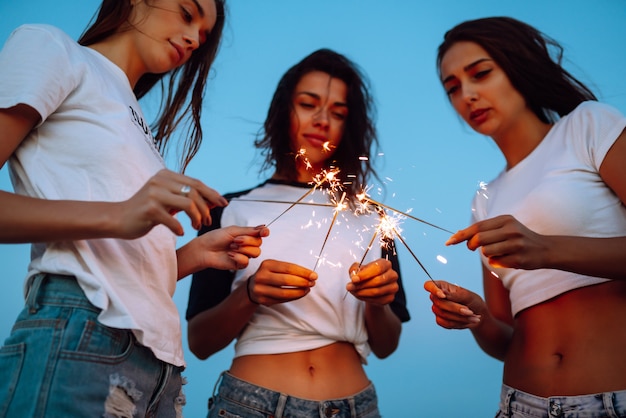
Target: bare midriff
330 372
571 345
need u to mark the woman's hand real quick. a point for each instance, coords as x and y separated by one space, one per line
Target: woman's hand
278 282
505 242
228 248
454 307
376 282
164 195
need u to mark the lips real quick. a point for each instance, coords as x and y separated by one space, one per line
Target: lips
179 52
315 139
478 115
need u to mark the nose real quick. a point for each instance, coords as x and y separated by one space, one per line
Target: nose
320 118
192 41
469 93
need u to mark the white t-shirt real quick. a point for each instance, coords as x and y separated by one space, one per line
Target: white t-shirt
93 144
326 314
557 190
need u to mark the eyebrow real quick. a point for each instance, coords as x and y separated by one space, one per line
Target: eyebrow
467 68
200 9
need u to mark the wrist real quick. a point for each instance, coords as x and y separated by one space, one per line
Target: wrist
249 292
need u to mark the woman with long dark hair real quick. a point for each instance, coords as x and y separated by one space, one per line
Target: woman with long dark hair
551 228
100 334
302 333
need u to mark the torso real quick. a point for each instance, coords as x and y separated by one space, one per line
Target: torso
330 372
572 344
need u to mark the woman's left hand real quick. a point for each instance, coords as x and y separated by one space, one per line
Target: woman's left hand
228 248
376 282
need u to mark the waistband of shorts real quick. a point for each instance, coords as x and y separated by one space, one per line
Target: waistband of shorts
611 403
269 401
56 290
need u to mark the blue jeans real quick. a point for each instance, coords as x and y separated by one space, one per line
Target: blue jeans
60 362
237 399
517 404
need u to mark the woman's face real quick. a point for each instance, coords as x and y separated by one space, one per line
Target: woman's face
164 33
318 117
479 89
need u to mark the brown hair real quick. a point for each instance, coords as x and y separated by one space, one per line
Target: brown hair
178 105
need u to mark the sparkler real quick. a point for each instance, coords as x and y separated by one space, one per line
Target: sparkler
340 206
326 176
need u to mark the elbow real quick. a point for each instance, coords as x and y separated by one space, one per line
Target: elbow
198 349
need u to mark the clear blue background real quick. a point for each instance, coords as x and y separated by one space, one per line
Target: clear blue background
431 162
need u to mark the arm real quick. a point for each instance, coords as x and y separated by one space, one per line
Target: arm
26 219
490 322
508 243
377 284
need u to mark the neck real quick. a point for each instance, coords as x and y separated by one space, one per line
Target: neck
521 139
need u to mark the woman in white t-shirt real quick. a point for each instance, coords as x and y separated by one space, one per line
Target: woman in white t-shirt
306 314
100 334
551 228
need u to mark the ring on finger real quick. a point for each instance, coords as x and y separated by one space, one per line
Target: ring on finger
185 189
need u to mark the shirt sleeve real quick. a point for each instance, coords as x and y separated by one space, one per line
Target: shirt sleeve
36 69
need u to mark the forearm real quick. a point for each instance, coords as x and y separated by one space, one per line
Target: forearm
212 330
493 336
25 219
383 329
599 257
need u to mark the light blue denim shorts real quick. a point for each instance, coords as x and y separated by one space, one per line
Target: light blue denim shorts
517 404
237 399
59 361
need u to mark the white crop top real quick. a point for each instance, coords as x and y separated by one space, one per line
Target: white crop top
557 190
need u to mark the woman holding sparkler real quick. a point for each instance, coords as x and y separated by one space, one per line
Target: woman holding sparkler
552 232
301 338
100 334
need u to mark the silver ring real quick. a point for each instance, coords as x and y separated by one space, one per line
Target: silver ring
185 190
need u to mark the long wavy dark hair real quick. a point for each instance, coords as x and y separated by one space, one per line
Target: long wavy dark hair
178 105
524 53
359 131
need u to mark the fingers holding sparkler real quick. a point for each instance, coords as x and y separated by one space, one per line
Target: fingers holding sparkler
375 282
279 281
455 307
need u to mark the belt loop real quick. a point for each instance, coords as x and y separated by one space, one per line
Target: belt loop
352 404
33 290
608 399
280 406
506 402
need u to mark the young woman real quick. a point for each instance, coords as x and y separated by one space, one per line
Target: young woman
552 233
303 329
100 334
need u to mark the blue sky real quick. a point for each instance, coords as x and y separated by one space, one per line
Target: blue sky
430 162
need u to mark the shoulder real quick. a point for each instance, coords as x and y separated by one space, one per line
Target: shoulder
40 32
594 112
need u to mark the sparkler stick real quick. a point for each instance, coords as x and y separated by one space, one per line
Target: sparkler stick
340 206
372 201
415 257
292 205
283 201
369 247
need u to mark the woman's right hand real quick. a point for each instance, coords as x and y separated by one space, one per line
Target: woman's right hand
278 282
161 198
455 307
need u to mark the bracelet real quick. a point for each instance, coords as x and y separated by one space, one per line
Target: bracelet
248 291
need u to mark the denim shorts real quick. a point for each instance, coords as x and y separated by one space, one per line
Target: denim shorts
517 404
237 399
59 361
